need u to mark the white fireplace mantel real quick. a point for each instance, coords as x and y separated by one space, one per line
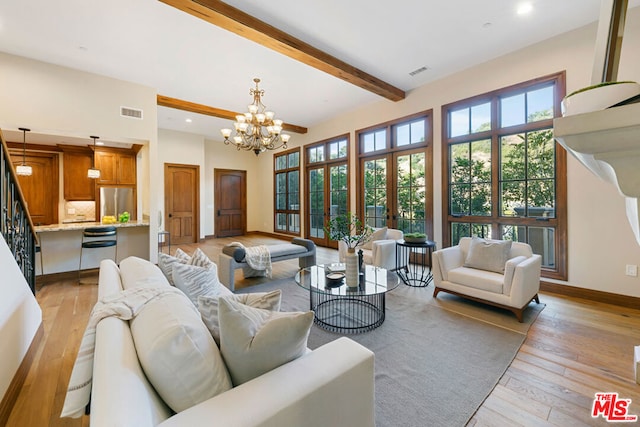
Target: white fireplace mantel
607 142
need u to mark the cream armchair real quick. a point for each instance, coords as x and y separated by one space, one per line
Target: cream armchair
380 250
514 288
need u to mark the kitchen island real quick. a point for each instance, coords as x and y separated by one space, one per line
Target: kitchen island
60 245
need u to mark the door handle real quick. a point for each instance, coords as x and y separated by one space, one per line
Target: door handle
170 215
218 212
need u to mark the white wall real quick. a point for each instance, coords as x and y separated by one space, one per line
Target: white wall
600 239
61 101
20 317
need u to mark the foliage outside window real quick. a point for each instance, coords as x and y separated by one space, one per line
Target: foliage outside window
505 177
395 162
287 192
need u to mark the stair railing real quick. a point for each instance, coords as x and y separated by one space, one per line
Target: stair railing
15 222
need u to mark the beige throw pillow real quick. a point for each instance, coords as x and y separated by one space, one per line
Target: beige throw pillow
490 255
166 263
195 281
254 341
209 307
177 353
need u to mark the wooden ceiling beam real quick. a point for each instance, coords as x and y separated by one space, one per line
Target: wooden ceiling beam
241 23
180 104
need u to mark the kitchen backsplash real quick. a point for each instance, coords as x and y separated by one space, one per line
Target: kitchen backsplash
80 210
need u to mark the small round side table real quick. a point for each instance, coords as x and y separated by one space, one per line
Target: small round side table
411 262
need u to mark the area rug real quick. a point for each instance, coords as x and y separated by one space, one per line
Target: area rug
433 366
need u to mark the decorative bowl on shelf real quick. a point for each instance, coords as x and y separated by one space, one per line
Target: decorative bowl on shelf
598 97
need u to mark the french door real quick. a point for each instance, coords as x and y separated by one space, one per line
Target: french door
395 192
328 197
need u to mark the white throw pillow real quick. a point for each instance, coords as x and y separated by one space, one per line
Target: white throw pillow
166 263
200 259
135 272
195 281
509 271
177 353
254 341
489 255
379 234
209 307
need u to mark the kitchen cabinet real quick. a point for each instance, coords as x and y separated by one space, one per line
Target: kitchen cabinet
40 189
77 186
117 167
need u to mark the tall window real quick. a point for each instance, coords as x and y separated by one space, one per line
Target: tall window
505 177
327 185
395 173
287 191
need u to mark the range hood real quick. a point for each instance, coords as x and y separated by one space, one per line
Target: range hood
607 142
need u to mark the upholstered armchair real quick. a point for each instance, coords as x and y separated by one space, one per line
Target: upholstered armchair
380 250
501 273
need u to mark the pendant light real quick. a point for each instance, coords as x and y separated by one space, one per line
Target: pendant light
24 169
93 173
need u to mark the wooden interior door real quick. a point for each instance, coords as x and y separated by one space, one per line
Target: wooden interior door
181 201
41 188
230 202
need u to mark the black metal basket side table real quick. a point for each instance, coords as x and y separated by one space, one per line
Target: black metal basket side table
411 262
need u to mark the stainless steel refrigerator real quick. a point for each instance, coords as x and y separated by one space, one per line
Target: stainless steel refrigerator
116 200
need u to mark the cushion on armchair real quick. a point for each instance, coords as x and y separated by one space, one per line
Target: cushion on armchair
489 255
379 234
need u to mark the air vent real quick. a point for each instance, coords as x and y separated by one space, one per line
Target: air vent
418 71
133 113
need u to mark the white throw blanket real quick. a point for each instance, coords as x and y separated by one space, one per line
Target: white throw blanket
124 305
258 258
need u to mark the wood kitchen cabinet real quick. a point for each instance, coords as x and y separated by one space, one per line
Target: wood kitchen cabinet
117 167
77 186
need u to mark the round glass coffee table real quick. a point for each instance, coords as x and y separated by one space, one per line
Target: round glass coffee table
343 309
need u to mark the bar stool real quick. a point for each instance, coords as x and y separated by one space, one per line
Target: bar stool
94 238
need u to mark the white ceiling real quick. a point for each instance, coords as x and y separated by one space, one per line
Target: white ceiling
151 43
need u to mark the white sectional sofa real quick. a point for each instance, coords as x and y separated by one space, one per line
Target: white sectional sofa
330 386
513 289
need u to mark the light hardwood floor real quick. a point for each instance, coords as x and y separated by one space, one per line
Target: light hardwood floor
575 349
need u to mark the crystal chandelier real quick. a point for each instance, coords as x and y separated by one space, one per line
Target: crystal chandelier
256 130
24 169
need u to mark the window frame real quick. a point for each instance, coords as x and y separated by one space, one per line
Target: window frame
495 221
390 151
326 165
287 212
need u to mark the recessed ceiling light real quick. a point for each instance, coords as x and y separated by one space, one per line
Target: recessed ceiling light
188 120
524 8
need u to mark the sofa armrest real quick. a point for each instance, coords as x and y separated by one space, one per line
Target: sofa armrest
226 270
330 386
383 253
526 281
447 259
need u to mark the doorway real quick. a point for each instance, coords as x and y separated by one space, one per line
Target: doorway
181 202
230 191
